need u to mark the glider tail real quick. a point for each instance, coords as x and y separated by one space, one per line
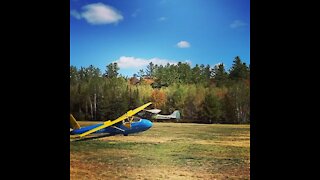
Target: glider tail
176 114
73 123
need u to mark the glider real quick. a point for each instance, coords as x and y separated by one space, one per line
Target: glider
125 124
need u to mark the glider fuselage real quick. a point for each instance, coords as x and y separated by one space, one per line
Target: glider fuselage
120 128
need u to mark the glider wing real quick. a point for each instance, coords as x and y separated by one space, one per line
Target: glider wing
119 119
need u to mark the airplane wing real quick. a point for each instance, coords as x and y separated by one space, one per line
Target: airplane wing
73 123
119 119
154 111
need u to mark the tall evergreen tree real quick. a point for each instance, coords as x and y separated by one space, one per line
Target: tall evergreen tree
150 70
211 108
207 73
196 73
184 72
74 76
220 75
239 70
112 70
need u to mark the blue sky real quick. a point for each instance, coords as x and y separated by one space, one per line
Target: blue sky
136 32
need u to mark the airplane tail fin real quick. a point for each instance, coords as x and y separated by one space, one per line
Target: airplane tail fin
73 123
176 114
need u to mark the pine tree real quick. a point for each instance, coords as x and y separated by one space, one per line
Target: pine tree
220 75
112 70
211 108
150 70
239 71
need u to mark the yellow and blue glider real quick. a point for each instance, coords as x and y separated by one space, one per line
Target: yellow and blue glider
125 125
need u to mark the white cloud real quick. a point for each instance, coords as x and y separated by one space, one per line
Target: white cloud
183 44
75 14
98 13
162 19
237 24
125 62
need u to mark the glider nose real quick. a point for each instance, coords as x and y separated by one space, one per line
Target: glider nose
147 124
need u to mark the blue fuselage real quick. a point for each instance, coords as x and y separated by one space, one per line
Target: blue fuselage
136 127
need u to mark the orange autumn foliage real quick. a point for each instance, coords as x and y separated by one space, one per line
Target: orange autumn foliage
221 93
158 98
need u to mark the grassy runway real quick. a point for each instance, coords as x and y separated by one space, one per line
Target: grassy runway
166 151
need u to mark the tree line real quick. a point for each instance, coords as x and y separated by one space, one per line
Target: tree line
202 94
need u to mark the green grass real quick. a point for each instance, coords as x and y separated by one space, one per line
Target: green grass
170 149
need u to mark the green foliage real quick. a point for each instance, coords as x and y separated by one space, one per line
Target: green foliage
237 103
239 70
150 69
211 108
202 94
141 73
112 70
220 75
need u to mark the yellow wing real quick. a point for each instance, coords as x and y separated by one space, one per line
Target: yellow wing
74 123
119 119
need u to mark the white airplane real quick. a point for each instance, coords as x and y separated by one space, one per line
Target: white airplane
154 114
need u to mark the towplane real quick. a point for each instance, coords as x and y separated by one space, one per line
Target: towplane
125 124
154 114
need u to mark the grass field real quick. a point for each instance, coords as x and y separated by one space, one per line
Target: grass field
166 151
